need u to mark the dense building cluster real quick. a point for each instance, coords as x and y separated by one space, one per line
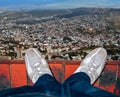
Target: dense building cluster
58 37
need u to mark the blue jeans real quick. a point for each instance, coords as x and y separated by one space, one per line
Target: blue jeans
77 85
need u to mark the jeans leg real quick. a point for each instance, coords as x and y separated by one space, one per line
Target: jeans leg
80 83
17 90
48 85
77 77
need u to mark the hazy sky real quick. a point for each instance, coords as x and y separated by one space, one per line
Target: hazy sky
53 4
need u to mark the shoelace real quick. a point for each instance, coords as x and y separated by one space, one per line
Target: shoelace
37 71
40 69
91 71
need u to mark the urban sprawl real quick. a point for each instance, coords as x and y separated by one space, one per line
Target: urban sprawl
58 38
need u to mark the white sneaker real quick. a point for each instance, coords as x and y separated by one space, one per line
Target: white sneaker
36 65
93 64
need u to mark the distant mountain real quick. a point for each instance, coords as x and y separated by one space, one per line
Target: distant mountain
30 16
90 11
73 12
45 13
65 13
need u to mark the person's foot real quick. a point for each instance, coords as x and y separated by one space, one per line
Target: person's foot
36 65
93 64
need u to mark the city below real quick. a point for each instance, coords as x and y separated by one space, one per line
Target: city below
60 34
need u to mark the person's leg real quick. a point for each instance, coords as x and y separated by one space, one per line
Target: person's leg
48 84
91 67
14 91
36 65
93 64
80 78
39 72
79 83
87 73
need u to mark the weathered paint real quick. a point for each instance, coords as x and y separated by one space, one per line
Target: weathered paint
5 81
13 73
19 76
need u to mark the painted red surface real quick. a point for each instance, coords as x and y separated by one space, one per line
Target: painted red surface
15 73
109 78
19 77
57 70
5 81
5 71
69 70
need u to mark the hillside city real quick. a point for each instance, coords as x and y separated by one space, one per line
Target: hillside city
66 38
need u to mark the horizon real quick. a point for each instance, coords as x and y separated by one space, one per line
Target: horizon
57 4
